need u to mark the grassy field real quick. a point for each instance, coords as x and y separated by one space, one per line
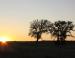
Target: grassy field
45 49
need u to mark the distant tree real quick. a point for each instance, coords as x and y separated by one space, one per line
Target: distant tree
37 27
61 29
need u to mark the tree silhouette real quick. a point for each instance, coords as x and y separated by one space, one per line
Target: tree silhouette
37 27
62 29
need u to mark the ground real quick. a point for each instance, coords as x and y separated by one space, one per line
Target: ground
45 49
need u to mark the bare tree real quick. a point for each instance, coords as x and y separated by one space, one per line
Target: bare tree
37 27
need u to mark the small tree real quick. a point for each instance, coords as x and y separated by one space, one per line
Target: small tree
37 27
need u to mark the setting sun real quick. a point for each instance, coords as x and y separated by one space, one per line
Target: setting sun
4 39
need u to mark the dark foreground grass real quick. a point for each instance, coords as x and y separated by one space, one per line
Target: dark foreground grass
45 49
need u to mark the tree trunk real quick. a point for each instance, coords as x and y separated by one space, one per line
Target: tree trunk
58 39
37 41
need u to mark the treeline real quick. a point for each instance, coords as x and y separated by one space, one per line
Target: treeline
59 29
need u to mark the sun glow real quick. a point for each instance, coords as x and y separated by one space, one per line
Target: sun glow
4 39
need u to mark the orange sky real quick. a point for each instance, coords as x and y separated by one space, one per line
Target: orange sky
16 15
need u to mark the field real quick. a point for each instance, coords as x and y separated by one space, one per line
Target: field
45 49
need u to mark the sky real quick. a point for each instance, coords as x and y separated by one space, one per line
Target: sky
16 15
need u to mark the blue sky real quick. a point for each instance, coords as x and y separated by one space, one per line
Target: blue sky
16 15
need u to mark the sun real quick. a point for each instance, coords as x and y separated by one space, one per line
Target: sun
4 39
